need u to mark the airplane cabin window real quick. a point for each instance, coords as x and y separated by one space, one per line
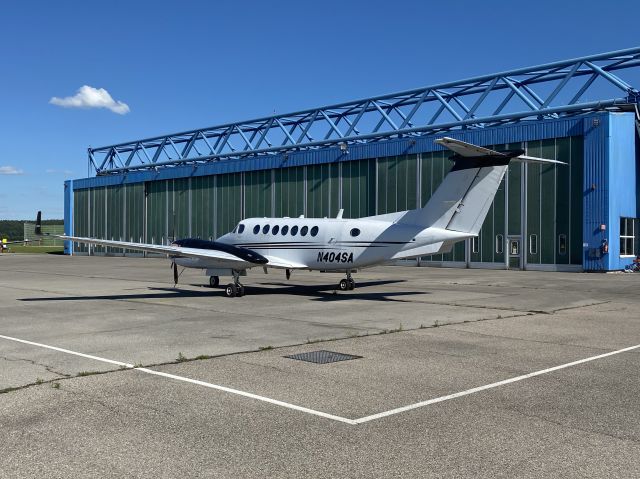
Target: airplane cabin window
285 230
275 230
294 230
256 229
265 229
314 231
355 232
304 230
240 228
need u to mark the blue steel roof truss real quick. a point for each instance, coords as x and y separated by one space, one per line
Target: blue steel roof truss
545 91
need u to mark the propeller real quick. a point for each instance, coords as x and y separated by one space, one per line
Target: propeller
175 273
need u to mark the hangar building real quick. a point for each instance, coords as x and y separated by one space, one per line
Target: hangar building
377 155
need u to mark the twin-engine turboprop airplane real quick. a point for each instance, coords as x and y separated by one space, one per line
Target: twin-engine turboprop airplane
455 212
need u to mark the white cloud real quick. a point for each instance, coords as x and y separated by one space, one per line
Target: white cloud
89 97
10 170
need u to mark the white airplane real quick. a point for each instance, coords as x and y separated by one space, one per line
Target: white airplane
455 212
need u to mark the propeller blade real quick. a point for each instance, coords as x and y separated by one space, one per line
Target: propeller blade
175 274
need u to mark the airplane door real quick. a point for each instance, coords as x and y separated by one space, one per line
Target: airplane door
515 252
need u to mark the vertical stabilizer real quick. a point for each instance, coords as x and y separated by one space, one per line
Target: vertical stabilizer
463 199
38 229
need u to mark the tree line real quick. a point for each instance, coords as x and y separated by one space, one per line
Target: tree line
13 230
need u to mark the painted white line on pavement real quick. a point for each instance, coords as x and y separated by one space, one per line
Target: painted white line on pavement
188 380
325 415
488 386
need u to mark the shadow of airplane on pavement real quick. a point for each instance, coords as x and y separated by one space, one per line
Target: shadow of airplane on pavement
313 292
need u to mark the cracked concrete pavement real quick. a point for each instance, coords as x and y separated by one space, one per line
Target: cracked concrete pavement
448 330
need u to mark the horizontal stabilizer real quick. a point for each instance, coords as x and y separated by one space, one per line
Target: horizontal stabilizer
476 155
533 159
465 149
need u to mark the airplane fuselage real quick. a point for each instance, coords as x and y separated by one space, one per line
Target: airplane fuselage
334 244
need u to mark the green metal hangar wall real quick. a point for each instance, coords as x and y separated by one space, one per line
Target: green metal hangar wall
377 155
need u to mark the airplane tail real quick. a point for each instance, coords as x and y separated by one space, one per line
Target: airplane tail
38 230
463 199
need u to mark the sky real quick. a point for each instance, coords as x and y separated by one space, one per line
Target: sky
76 74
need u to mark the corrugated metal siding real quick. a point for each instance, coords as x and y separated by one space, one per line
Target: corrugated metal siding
68 214
621 181
401 146
596 133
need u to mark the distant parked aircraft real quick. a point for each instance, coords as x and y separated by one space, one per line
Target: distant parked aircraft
455 212
4 244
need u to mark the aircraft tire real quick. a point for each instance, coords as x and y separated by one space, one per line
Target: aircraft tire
231 290
214 281
352 284
241 291
343 285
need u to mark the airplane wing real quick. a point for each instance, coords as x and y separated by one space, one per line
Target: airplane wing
275 262
224 258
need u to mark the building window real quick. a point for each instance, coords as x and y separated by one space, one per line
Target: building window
499 244
475 244
256 229
627 237
533 244
304 230
294 230
314 231
285 230
562 244
265 229
275 230
240 228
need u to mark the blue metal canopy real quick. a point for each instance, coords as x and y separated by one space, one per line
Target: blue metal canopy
533 93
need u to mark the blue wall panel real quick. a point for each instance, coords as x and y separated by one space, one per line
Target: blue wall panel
596 133
609 186
68 214
621 182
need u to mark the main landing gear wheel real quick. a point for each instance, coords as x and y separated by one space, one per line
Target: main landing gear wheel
234 289
347 284
214 281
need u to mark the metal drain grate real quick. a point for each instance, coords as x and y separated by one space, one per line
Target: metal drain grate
322 357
